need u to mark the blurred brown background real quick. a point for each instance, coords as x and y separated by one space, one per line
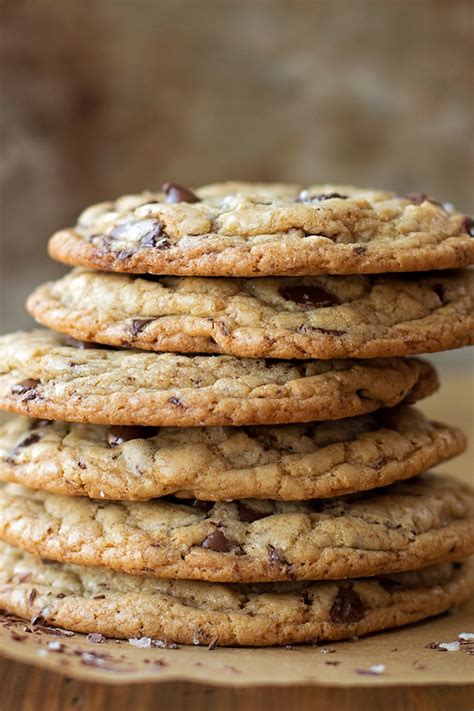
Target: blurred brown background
103 97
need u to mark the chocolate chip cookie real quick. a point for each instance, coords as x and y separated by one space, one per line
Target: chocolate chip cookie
409 525
292 462
96 600
44 376
314 317
245 229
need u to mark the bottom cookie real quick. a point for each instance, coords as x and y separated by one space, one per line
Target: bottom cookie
94 600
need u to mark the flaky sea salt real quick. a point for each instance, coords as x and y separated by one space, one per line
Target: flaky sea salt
450 646
142 642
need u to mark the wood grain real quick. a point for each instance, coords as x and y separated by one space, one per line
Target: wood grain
50 692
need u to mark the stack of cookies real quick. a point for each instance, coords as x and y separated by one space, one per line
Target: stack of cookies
217 442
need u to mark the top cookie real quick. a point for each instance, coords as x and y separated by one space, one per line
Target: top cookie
254 229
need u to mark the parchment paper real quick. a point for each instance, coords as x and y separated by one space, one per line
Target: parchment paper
398 657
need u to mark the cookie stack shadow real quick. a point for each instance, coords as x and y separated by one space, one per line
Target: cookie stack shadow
216 443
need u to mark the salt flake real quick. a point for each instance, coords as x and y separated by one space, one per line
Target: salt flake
142 642
450 646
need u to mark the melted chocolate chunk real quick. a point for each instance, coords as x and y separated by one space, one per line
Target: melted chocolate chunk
311 296
247 514
27 388
347 606
360 250
178 193
119 433
156 236
218 541
138 324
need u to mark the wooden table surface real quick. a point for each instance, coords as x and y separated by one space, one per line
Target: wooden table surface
25 688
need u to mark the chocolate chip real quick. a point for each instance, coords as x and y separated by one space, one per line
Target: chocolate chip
119 433
360 250
468 225
177 193
138 324
247 514
26 387
218 541
347 606
311 296
307 198
156 236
